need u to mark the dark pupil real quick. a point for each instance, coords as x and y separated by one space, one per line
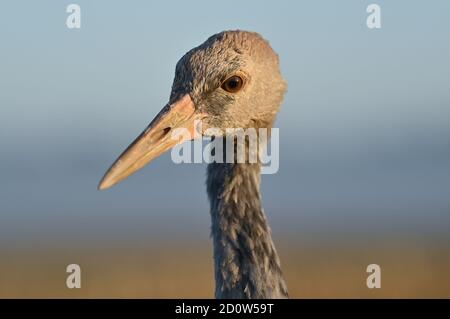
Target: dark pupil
233 83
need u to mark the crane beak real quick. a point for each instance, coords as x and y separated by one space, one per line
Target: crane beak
154 141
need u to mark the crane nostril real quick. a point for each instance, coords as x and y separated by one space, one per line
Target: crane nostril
160 134
166 131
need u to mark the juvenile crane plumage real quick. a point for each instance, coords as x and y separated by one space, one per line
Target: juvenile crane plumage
232 80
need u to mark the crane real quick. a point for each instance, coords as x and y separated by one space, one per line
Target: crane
232 80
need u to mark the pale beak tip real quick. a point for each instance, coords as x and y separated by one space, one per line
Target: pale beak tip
104 184
154 141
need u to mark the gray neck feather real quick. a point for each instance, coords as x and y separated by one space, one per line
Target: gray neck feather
245 260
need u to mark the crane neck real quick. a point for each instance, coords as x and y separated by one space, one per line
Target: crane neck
245 260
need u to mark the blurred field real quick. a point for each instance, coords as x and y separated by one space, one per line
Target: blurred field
174 271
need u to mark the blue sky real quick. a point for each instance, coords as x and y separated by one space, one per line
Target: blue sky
365 127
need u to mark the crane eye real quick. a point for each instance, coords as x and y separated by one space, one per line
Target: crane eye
233 84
